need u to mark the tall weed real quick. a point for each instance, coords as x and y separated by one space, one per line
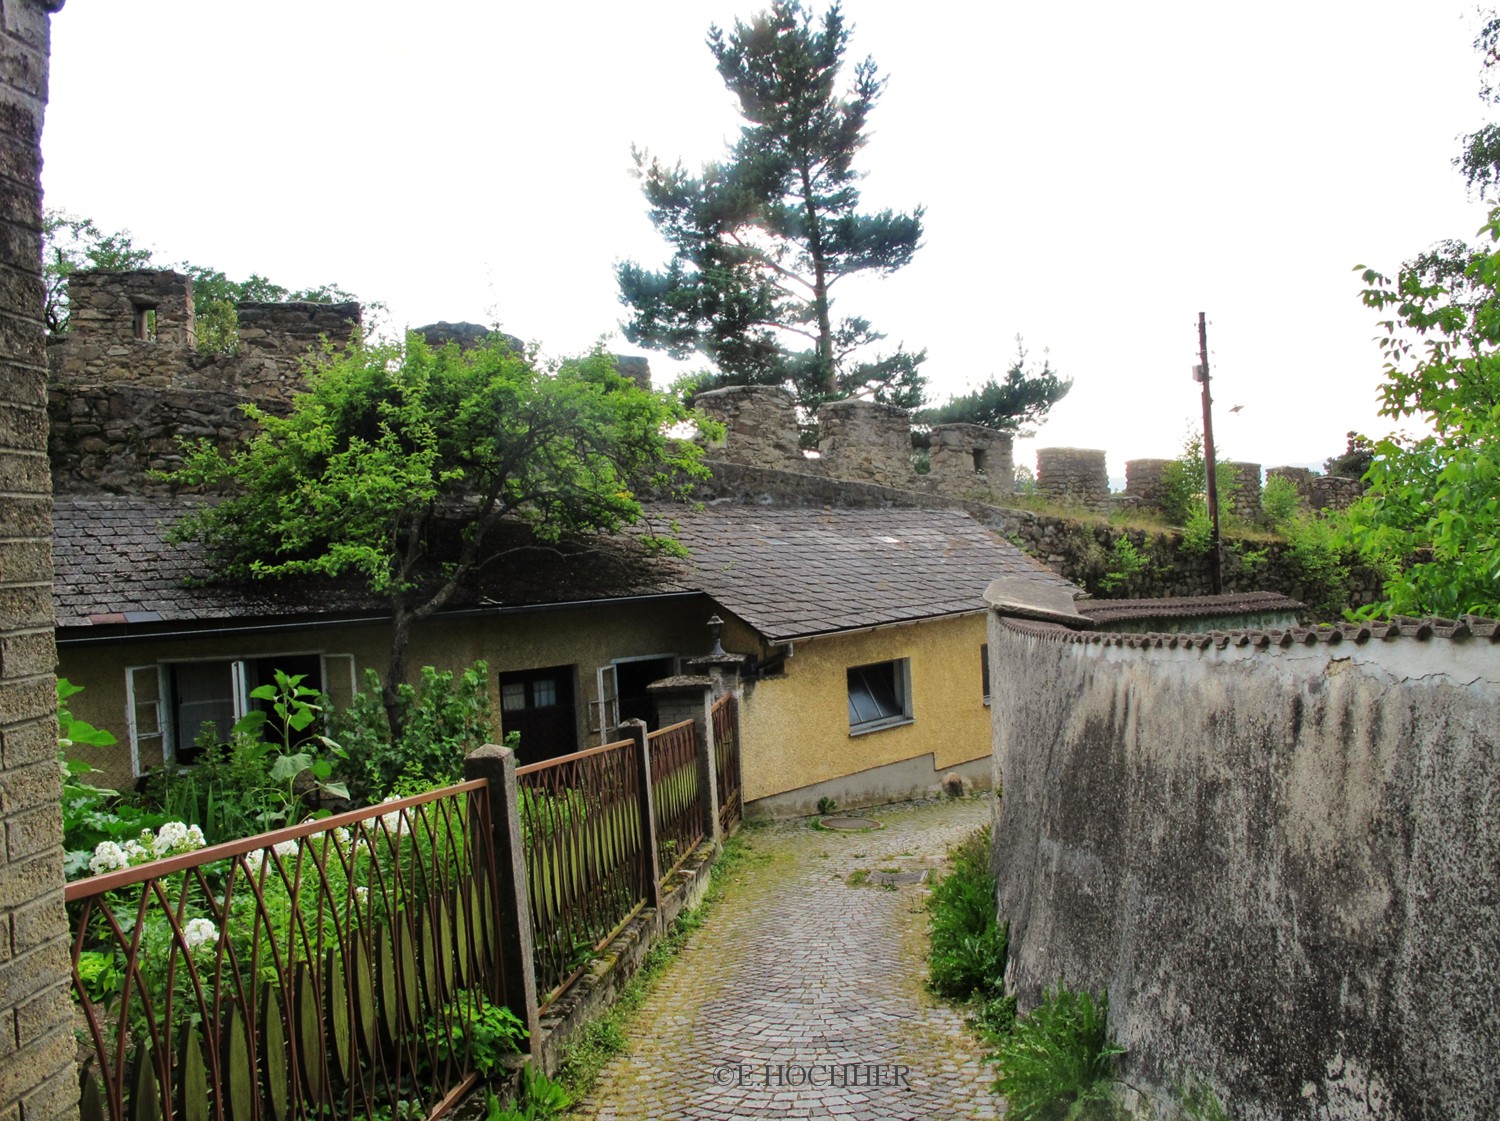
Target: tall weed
1058 1062
969 942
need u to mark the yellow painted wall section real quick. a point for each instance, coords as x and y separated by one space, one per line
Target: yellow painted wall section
798 724
581 637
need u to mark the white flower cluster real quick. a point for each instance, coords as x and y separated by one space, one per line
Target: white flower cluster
254 860
396 821
172 839
200 932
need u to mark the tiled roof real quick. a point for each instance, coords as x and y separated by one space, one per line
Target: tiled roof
112 566
1187 607
789 572
792 572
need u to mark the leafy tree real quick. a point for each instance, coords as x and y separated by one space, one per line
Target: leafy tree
398 465
760 239
1355 459
1022 399
70 243
1431 515
1432 512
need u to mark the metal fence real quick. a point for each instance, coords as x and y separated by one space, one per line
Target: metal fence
727 761
333 969
675 794
586 857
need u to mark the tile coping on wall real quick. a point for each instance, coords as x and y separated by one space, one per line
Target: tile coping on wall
1401 626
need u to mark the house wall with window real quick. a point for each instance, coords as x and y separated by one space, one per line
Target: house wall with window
143 689
819 730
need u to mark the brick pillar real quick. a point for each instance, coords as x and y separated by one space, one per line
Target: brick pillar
38 1081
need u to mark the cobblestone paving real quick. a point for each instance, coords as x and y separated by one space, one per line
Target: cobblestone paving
802 995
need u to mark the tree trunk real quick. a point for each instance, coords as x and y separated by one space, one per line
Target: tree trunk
395 674
820 286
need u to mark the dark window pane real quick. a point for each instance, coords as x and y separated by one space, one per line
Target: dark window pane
873 694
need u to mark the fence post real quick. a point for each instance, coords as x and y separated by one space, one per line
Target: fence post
692 697
636 730
517 951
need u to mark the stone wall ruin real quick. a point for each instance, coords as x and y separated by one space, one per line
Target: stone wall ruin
126 382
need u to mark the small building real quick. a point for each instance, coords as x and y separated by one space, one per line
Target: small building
862 633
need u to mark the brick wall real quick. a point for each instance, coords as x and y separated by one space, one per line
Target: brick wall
37 1078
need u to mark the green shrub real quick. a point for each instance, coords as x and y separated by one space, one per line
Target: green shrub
471 1025
969 942
1279 500
1198 530
1058 1061
1184 484
1315 561
1125 561
447 716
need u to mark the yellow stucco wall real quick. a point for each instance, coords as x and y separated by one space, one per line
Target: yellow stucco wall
581 637
796 727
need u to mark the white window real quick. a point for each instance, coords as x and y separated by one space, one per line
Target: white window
879 695
169 705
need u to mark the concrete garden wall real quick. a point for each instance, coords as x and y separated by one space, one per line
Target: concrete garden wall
1282 861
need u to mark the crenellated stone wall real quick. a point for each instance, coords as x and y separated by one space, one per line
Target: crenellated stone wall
1244 500
1320 492
862 441
126 382
969 457
760 427
1075 477
866 440
1143 480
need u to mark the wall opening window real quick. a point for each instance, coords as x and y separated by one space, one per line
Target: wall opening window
979 464
984 670
879 695
143 322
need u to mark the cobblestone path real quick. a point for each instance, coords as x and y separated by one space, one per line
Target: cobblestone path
802 995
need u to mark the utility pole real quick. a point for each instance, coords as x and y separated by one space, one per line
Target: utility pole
1210 466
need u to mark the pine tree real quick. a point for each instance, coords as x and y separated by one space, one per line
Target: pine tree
760 239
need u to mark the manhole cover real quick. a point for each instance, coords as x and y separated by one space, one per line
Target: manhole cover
850 824
898 877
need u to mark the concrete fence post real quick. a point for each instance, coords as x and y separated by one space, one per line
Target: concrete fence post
636 730
691 697
517 950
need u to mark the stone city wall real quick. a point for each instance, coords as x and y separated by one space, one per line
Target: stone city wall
1276 853
126 382
38 1080
862 442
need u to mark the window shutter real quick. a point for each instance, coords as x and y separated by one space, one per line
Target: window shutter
607 707
144 712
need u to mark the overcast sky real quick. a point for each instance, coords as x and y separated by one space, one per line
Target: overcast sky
1094 176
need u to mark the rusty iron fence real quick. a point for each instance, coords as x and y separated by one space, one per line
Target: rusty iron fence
341 968
676 799
586 856
726 718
